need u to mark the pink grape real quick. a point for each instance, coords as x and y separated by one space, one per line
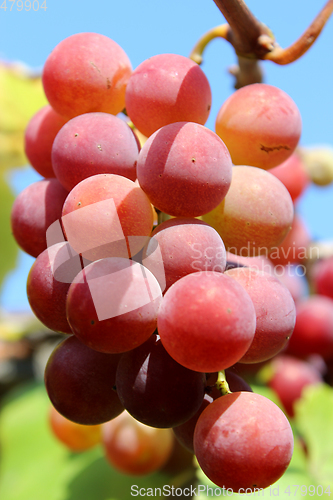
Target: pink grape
134 448
313 333
260 125
34 210
38 139
184 246
243 440
289 377
167 88
94 143
86 72
256 214
275 313
185 169
107 215
112 305
206 321
48 283
293 175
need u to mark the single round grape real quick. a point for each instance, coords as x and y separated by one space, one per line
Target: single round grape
256 214
260 125
167 88
206 321
86 72
155 389
80 383
134 448
107 215
75 437
313 332
181 246
243 440
94 143
185 169
293 175
289 377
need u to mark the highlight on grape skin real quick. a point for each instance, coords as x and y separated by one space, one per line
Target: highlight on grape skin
167 88
260 125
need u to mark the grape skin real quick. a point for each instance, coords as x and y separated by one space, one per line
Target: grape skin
86 72
243 440
260 125
206 321
256 214
184 169
167 88
34 210
94 143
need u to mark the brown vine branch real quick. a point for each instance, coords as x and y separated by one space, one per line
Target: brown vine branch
246 29
297 49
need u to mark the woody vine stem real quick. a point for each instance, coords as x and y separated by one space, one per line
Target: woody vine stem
253 41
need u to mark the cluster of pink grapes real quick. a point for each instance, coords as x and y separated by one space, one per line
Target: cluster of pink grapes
155 315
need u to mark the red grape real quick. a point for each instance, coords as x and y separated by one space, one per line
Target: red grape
80 381
206 321
255 215
167 88
260 125
275 312
289 377
185 169
48 283
183 246
86 72
134 448
107 215
112 305
155 389
75 437
38 139
243 440
94 143
34 210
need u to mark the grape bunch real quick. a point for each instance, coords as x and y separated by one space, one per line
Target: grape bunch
151 235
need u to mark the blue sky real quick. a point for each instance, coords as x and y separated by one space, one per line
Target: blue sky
151 27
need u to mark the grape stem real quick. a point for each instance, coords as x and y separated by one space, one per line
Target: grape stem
254 41
222 384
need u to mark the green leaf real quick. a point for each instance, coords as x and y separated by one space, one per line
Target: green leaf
21 96
35 466
314 419
8 247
